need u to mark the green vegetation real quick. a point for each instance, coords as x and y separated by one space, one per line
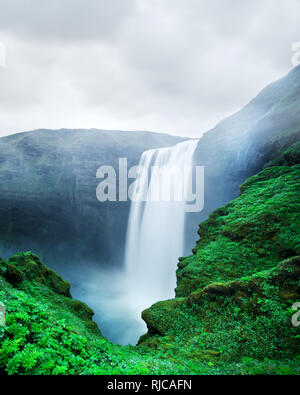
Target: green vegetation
47 332
232 313
252 233
248 318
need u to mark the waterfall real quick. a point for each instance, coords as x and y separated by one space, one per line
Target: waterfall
155 234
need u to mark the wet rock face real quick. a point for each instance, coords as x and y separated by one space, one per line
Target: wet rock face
48 193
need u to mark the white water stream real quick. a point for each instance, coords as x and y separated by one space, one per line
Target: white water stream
155 235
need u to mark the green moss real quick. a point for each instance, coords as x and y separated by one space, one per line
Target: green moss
249 317
252 233
289 157
31 267
12 274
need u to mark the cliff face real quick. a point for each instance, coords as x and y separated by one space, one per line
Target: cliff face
48 193
234 294
240 145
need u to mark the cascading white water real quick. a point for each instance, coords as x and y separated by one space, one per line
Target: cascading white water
155 240
155 235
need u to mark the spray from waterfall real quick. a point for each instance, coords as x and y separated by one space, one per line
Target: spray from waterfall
155 234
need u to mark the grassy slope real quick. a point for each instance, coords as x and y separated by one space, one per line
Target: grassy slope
252 233
49 333
233 314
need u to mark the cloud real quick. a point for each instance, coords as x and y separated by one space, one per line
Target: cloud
175 66
67 20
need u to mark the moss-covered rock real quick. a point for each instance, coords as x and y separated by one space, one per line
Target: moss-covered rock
252 233
30 267
289 157
12 274
246 317
161 319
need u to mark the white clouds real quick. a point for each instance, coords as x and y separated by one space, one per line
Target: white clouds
171 65
64 20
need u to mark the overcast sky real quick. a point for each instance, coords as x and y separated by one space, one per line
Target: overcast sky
175 66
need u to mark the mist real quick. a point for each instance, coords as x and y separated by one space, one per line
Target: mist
112 297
